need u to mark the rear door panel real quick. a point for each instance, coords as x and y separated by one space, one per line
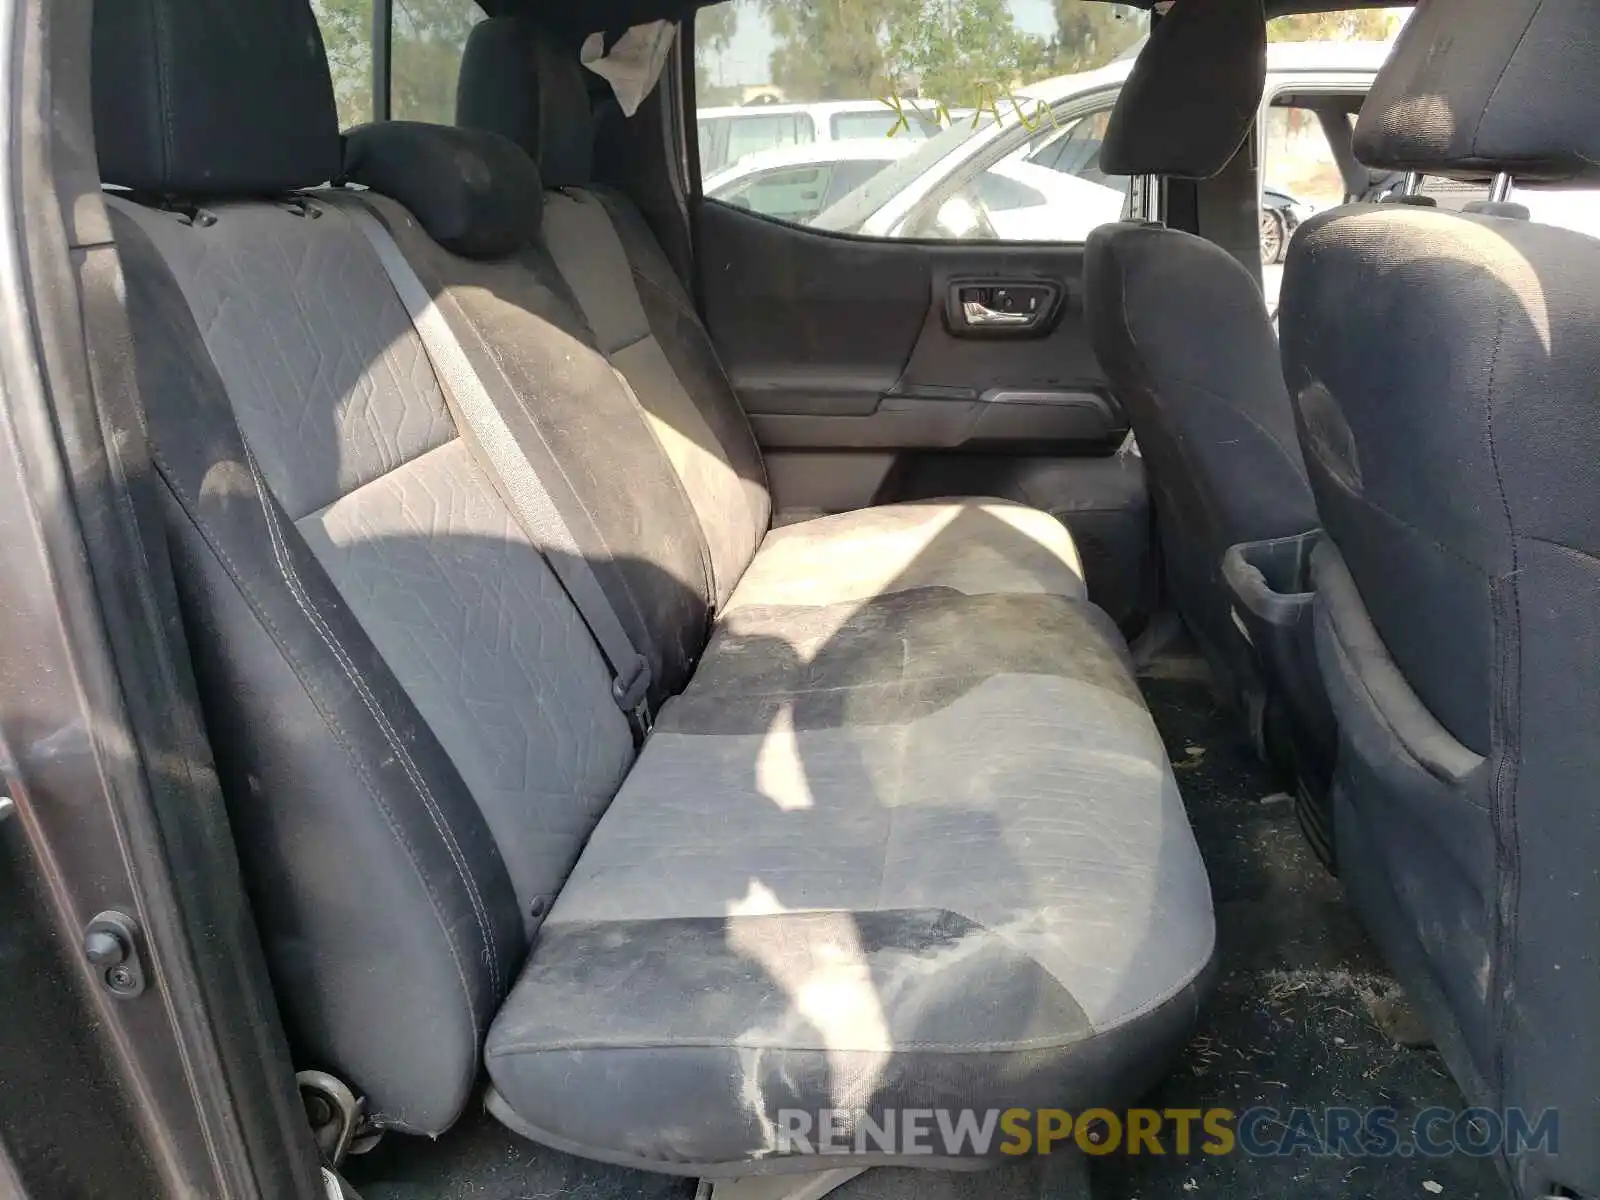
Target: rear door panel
863 387
839 343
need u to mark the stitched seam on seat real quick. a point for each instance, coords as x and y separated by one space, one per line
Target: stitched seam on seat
638 341
666 293
801 691
1477 127
1277 443
163 86
701 1043
1382 717
1368 503
435 815
1133 340
1503 797
685 309
1585 555
190 511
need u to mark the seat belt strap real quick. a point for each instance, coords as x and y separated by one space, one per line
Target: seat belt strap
525 493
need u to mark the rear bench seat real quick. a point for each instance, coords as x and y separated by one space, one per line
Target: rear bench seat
901 837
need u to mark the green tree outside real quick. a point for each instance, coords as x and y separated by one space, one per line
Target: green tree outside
347 37
428 38
958 52
1352 25
714 31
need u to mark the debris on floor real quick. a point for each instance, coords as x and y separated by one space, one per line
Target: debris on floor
1292 1021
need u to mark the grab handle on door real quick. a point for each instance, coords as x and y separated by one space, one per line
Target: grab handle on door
992 308
977 313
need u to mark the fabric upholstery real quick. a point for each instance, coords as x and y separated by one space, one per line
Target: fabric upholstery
970 546
418 738
732 506
882 920
535 355
476 193
384 904
196 98
518 84
416 543
1442 367
1471 89
1191 98
1206 399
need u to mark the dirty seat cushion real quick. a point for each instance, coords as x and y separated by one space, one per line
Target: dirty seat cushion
863 865
973 546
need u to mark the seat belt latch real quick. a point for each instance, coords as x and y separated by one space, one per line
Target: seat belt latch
631 690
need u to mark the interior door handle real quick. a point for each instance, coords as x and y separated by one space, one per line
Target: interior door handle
981 316
1001 308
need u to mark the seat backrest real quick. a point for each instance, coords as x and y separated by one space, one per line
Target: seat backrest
1444 371
1179 325
465 207
516 82
414 727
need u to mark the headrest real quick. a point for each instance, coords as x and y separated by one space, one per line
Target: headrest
518 83
212 97
476 193
1477 87
1192 96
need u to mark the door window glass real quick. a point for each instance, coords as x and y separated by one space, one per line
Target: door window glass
428 39
347 37
968 84
789 194
851 174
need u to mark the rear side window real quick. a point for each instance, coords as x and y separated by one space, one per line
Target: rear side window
347 36
851 174
963 91
790 194
426 41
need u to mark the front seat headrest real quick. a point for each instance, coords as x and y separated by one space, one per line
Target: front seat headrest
1192 97
475 193
515 81
212 98
1479 87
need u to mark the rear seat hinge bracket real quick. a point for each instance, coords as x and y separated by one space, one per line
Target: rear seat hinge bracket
337 1115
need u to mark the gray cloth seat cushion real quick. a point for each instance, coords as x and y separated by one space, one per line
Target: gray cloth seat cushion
925 851
921 844
972 545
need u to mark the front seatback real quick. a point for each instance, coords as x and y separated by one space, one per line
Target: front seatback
517 83
1444 370
414 729
1180 328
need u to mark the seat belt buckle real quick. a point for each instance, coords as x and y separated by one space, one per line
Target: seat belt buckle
631 691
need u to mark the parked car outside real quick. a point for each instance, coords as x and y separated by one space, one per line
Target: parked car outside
1021 201
944 187
731 134
796 183
1281 215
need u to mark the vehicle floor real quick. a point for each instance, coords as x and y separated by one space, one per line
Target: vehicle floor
1291 1024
